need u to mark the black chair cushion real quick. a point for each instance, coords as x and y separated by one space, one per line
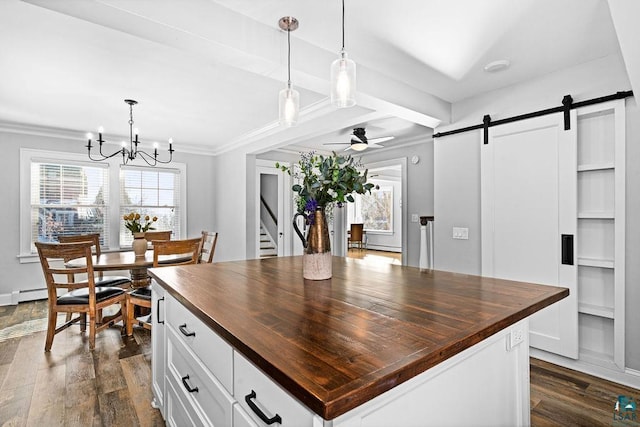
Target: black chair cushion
113 281
81 296
142 293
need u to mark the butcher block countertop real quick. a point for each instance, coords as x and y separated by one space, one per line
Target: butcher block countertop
338 343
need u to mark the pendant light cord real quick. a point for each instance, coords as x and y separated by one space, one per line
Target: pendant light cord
343 25
288 57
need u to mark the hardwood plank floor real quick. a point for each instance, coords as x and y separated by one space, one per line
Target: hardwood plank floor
111 386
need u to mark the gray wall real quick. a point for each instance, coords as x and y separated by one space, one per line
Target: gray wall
16 276
420 190
457 170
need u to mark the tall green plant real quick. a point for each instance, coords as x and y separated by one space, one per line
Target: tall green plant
326 180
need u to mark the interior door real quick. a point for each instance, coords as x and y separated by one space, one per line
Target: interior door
528 199
280 207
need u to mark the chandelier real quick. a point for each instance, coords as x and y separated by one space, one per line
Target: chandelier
132 152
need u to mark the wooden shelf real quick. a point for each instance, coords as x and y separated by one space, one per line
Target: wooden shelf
596 262
596 310
595 167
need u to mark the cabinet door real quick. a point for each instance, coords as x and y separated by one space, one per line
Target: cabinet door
528 198
158 344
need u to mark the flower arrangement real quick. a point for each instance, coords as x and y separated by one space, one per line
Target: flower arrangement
133 222
326 181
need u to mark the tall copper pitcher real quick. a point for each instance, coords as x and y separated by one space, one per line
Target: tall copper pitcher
316 264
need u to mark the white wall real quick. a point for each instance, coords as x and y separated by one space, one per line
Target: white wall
457 169
15 276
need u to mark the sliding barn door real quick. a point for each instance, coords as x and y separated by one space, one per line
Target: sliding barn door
528 186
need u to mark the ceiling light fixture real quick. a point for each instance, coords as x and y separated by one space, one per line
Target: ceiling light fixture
289 98
343 77
132 152
495 66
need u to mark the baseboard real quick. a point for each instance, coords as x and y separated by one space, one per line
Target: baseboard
630 377
16 297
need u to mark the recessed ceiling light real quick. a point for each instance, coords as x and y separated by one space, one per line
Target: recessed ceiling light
499 65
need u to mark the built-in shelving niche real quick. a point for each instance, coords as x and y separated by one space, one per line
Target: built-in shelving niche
600 223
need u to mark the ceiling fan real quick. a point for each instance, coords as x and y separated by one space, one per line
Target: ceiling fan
360 142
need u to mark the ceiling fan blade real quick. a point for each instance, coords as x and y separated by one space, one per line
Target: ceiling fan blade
336 143
381 139
374 145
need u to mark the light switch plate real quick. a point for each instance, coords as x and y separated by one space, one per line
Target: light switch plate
461 233
414 218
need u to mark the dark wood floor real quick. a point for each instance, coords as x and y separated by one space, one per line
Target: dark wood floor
110 386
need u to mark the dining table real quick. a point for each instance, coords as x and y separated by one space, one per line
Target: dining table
127 260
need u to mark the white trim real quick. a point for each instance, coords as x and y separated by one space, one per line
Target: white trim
28 154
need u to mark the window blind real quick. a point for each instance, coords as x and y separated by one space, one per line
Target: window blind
153 192
68 198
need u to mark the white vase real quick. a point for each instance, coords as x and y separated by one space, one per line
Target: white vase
139 244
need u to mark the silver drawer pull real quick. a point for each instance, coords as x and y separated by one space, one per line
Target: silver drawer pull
275 419
185 332
187 386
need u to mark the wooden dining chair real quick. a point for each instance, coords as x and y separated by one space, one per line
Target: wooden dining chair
208 247
152 236
356 235
165 254
83 298
121 281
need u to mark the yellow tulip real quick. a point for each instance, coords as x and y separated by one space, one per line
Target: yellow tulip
125 217
155 218
137 216
146 218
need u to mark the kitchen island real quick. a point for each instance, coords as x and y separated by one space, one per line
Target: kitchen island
372 345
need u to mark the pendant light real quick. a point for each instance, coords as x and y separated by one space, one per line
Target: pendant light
343 77
289 98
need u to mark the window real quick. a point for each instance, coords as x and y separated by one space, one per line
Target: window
376 209
64 193
68 198
153 192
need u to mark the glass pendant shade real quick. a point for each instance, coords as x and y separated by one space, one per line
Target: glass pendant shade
289 106
359 146
343 82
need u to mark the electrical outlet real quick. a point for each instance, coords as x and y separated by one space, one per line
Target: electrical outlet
515 337
461 233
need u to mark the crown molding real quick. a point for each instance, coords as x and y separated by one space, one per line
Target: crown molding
75 135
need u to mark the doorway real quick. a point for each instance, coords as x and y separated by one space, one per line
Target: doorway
272 236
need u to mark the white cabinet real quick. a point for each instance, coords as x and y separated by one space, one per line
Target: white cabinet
601 239
158 342
264 400
199 366
199 370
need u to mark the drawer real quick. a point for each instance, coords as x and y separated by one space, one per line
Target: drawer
196 385
270 398
241 418
176 412
214 352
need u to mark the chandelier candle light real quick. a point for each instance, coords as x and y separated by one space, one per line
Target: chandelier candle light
289 98
343 77
132 152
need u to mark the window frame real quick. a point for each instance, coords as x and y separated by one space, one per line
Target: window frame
115 220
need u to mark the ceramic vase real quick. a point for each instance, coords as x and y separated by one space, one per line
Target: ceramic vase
139 244
316 258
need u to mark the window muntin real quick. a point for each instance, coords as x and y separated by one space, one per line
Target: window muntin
153 192
68 198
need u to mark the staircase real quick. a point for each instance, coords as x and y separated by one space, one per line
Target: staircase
268 247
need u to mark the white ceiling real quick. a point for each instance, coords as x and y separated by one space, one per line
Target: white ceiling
207 72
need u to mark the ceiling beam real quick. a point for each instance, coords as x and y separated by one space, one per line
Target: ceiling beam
220 36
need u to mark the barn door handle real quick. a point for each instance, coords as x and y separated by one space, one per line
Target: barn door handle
567 249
